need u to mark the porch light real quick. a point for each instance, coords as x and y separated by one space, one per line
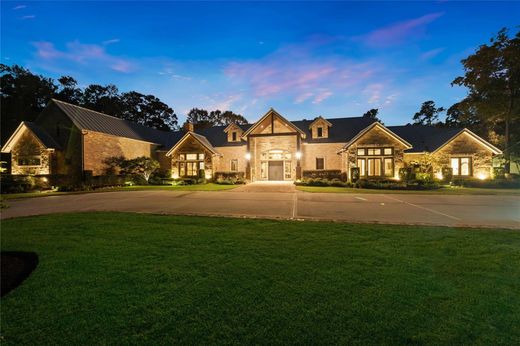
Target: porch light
298 155
175 175
207 175
439 175
248 156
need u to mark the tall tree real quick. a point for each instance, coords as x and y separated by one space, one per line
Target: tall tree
147 110
492 76
69 90
372 114
23 96
200 118
228 117
104 99
428 114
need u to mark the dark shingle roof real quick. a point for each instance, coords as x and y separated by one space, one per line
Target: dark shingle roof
87 119
342 129
424 138
42 135
218 137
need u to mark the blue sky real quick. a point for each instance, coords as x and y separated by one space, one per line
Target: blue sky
303 59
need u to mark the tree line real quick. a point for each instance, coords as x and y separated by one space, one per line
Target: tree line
25 94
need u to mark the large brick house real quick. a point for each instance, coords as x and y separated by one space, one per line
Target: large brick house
73 141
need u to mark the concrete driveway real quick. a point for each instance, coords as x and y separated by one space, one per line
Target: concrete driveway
284 202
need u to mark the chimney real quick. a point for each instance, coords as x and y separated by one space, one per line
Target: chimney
188 127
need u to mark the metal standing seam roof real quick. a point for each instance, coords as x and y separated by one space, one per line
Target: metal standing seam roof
42 135
86 119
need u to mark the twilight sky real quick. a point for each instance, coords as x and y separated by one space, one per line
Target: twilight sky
303 59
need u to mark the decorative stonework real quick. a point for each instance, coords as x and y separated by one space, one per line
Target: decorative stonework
28 147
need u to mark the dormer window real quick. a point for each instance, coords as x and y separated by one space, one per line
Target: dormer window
234 136
320 127
233 132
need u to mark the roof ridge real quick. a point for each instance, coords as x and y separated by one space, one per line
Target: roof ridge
90 110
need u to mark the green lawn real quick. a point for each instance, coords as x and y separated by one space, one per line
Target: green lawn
123 278
441 191
197 187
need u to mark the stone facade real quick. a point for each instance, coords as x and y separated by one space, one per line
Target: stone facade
97 147
260 148
30 157
223 162
328 151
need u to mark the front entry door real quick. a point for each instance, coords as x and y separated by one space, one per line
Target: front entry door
275 170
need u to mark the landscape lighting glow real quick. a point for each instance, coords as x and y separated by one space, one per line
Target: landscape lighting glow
298 155
248 156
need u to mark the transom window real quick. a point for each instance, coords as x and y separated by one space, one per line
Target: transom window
381 166
461 166
29 161
276 155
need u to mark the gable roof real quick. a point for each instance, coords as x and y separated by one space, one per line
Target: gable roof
87 119
322 119
382 127
198 137
218 137
342 129
41 135
425 138
273 112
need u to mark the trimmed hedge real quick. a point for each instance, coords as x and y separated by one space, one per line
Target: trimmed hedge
325 174
229 178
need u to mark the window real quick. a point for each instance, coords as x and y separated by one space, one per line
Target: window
190 164
233 136
234 165
29 161
361 165
320 163
263 170
287 169
388 167
374 167
319 131
461 166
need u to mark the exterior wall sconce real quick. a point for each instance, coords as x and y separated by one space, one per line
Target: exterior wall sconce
248 156
298 155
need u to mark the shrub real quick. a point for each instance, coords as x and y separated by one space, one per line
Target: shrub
499 172
447 174
425 177
325 174
354 173
406 173
229 178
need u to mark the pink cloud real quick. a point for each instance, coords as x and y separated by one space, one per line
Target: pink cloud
295 71
83 54
398 32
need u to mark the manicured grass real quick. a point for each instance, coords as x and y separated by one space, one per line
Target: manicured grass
197 187
441 191
121 278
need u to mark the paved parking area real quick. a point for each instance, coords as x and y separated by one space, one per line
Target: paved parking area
283 201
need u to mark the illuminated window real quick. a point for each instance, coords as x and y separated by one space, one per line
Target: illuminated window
361 165
361 151
191 169
190 164
191 157
287 169
388 166
320 163
388 151
461 166
263 170
29 160
234 165
374 167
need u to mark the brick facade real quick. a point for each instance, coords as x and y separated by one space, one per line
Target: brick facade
97 147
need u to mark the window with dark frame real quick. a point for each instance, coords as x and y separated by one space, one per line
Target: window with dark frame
375 162
319 131
234 136
461 166
234 165
320 163
190 164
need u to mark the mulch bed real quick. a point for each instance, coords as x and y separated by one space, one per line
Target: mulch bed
16 266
